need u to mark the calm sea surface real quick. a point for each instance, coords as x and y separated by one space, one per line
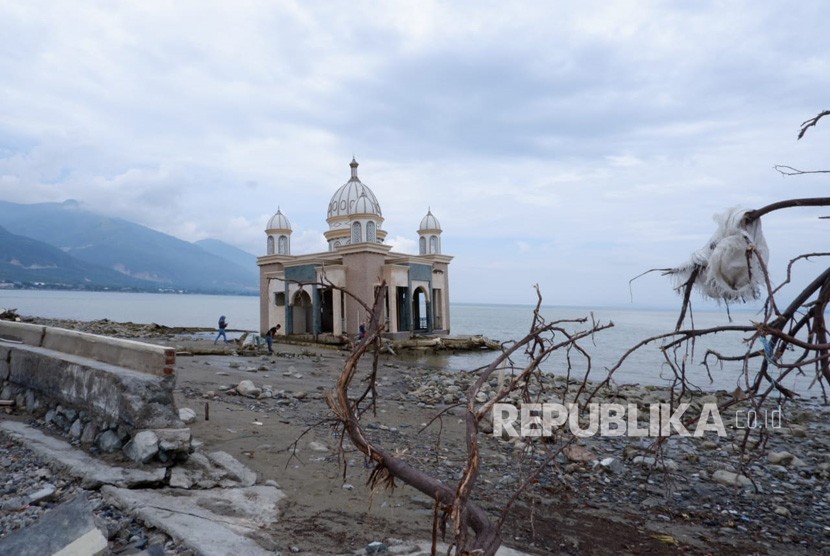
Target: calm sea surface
499 322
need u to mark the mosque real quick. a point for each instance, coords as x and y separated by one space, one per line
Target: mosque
296 290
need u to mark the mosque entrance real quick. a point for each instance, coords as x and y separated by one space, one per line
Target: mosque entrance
420 313
302 315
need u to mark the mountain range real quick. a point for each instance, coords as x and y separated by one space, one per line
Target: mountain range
62 245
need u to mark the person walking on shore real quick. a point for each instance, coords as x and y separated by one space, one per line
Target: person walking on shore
269 337
222 325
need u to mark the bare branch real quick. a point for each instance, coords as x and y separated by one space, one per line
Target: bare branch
807 124
753 215
785 170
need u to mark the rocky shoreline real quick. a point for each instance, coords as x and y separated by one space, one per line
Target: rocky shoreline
694 495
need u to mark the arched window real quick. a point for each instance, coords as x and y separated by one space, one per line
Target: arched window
371 232
270 245
433 244
356 232
422 245
283 245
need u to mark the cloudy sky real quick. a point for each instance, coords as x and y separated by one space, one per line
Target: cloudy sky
568 144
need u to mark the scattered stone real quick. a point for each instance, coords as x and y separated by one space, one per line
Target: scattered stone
187 415
780 458
579 454
46 493
315 446
612 465
781 510
729 478
376 547
247 388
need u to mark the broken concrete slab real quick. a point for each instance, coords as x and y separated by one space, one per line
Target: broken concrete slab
236 470
210 521
91 471
66 529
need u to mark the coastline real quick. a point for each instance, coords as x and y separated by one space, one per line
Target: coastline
579 505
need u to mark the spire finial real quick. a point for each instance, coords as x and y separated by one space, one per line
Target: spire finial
354 166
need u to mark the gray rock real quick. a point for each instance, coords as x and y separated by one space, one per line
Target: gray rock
187 415
173 440
247 388
315 446
76 429
376 547
47 492
70 414
143 447
109 442
612 465
780 458
729 478
782 511
89 433
648 461
32 403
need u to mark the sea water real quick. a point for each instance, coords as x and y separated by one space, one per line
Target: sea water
503 323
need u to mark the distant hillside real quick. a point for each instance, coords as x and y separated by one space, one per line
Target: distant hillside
231 253
130 249
28 261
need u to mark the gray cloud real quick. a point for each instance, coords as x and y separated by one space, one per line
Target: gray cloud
550 139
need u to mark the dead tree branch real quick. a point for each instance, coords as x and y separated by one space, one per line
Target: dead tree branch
807 124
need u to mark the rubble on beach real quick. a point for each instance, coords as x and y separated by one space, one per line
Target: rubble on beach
686 494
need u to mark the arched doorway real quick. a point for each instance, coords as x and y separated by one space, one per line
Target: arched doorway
420 310
301 313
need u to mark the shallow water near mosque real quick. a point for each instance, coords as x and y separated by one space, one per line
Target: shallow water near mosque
498 322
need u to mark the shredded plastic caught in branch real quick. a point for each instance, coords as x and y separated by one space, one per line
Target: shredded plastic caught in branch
729 262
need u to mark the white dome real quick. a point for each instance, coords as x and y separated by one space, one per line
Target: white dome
364 206
429 222
278 222
353 197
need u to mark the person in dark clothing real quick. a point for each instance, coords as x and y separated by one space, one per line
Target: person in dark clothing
361 331
222 325
269 337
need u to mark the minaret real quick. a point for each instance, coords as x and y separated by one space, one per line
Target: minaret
429 242
278 231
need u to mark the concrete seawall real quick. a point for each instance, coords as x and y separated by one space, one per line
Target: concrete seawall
100 390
